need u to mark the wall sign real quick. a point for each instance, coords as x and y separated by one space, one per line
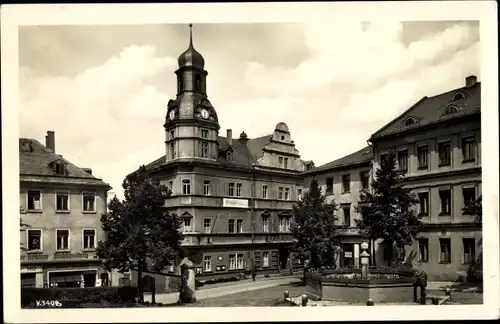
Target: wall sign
234 203
58 256
31 269
35 257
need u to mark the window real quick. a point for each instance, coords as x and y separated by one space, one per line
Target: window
172 150
280 161
458 96
207 263
423 156
444 153
171 186
264 191
280 193
299 194
34 240
172 134
34 200
445 250
62 240
60 168
383 157
286 163
423 250
409 121
403 160
239 226
197 83
232 262
62 201
423 197
445 196
207 225
88 202
347 215
88 239
329 186
206 187
346 183
238 189
239 261
231 226
187 225
281 226
287 224
265 224
451 110
186 186
204 150
265 259
468 149
204 133
287 193
231 189
469 196
469 250
179 86
365 179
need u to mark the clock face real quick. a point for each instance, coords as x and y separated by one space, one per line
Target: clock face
172 114
204 113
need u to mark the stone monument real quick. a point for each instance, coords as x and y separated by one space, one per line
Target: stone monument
187 292
365 260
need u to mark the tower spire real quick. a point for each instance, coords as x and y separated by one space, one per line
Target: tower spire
190 35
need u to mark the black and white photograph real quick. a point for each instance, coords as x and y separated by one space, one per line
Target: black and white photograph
196 161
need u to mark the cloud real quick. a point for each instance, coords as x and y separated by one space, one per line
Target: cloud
104 116
341 82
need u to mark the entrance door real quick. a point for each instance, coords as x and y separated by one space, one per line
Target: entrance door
28 280
89 279
348 255
284 254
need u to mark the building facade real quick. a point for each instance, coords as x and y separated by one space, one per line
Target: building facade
438 142
234 194
341 181
61 206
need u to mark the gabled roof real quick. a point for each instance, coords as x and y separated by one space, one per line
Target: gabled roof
245 153
34 165
365 155
431 110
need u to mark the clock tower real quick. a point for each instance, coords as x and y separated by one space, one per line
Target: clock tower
191 124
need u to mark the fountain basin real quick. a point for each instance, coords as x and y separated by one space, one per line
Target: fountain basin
382 285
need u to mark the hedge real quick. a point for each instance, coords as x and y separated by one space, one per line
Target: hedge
71 297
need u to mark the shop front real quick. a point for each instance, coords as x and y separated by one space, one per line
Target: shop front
32 276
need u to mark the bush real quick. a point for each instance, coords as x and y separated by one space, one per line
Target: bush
70 297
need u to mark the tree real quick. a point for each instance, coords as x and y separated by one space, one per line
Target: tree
475 208
141 233
385 211
314 228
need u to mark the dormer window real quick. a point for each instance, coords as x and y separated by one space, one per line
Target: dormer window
59 167
458 96
282 137
451 110
410 121
229 155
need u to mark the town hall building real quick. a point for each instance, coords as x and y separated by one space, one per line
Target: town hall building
233 193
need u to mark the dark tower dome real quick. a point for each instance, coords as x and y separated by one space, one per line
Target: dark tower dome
191 57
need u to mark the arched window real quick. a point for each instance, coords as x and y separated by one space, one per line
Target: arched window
451 110
409 121
197 83
229 155
458 96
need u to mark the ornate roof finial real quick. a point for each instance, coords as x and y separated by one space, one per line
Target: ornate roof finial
190 35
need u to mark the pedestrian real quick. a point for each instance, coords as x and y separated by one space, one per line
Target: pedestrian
419 280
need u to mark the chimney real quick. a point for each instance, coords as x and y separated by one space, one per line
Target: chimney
229 137
50 141
470 81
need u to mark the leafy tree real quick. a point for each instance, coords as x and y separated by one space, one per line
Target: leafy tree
314 228
385 210
141 233
476 209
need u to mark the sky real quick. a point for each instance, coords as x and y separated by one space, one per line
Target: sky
104 89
